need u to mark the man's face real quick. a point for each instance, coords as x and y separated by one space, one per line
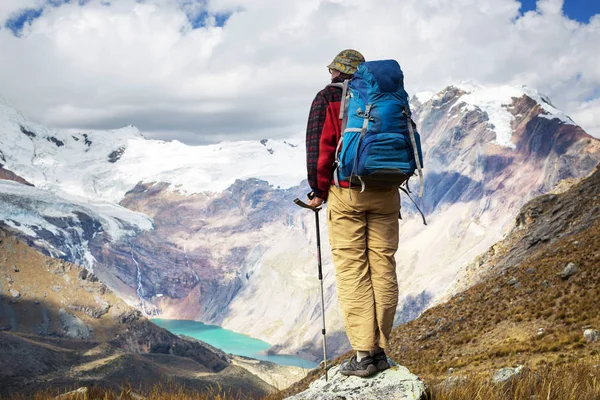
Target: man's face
334 73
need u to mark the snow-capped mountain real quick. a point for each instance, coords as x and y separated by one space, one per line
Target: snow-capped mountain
105 165
211 233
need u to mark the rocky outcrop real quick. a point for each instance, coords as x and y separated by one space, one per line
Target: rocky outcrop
144 337
11 176
395 383
72 326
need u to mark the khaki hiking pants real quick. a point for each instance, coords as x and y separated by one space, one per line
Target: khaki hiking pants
363 234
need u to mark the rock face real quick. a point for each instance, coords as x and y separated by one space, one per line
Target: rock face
395 383
72 326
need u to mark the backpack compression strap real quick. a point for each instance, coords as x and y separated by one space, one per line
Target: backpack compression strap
416 205
415 151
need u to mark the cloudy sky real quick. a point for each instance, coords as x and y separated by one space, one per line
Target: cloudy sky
203 71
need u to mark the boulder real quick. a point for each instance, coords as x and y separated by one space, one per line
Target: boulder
395 383
15 293
570 270
541 331
452 381
507 374
591 335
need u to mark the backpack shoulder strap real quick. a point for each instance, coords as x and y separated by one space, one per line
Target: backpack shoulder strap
344 87
337 84
343 110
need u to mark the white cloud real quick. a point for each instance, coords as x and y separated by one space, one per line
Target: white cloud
588 115
143 64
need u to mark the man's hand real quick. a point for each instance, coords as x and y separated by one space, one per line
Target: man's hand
315 202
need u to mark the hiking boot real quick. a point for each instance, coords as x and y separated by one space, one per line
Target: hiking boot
380 361
362 368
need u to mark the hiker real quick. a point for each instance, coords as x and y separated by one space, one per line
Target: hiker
363 230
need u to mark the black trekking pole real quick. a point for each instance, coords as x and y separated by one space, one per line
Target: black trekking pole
316 211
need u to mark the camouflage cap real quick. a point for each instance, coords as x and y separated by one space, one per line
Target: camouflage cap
347 61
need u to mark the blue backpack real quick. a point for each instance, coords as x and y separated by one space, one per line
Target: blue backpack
379 146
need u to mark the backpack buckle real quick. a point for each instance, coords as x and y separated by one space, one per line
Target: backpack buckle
366 115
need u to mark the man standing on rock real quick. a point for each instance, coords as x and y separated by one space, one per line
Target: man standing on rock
363 231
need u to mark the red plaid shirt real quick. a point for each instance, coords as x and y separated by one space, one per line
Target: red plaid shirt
323 132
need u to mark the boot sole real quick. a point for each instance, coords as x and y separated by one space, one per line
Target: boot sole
363 373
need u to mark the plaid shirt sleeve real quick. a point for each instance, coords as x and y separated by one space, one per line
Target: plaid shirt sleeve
314 129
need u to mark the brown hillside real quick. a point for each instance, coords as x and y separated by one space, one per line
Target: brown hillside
496 323
60 327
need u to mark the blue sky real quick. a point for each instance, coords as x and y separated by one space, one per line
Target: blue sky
579 10
198 19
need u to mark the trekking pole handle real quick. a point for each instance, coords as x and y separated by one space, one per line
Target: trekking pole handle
304 205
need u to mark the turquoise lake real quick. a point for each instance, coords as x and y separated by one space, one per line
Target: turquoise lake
230 342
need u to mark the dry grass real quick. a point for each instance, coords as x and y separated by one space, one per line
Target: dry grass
576 381
496 325
159 392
